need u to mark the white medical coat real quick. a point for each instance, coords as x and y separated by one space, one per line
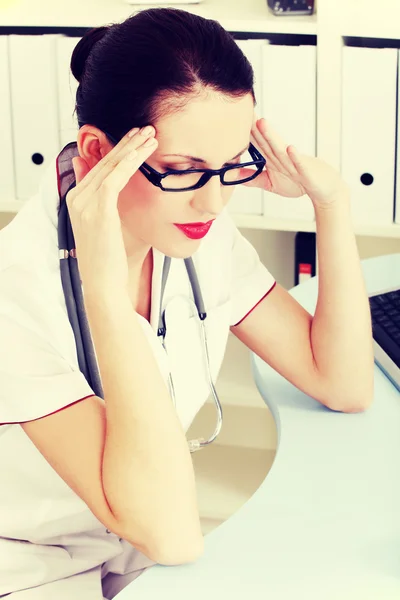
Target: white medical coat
47 532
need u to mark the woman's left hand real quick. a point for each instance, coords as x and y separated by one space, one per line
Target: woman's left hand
291 174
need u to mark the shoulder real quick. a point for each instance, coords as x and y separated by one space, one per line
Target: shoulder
33 316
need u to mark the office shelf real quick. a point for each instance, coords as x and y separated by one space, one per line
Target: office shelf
368 18
260 222
251 15
331 22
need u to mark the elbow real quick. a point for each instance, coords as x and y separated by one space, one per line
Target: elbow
169 554
353 396
351 405
178 543
352 408
182 555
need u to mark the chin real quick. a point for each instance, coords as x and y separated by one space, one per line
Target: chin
185 250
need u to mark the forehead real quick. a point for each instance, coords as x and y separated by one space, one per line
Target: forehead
213 127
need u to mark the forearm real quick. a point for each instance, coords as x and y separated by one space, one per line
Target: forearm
148 475
341 332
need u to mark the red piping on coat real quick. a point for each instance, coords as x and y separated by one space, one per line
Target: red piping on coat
52 413
270 290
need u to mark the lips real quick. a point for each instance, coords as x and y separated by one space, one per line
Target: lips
194 230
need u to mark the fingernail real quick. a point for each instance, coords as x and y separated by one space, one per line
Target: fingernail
147 130
132 132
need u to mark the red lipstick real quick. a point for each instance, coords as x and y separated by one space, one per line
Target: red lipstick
194 231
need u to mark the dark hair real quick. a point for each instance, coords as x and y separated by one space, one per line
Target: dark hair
151 64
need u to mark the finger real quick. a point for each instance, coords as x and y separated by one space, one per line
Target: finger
262 145
97 174
277 146
120 175
296 159
262 180
110 163
87 178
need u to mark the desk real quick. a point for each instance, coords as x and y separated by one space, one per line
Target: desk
325 523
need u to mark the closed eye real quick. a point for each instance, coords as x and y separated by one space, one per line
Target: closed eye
175 170
190 167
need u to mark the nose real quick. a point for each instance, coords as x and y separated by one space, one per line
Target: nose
210 198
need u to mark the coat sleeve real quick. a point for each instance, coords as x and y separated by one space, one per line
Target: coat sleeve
35 380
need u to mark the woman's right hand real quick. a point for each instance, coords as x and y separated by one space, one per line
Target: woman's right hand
94 216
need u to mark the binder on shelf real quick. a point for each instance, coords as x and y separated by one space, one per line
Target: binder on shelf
252 49
67 87
245 199
34 108
289 106
369 132
304 256
7 180
397 177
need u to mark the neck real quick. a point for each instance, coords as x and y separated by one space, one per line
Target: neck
139 280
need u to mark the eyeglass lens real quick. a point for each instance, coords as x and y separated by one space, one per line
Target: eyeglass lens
185 180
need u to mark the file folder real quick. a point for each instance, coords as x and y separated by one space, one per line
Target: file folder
7 181
369 132
34 108
304 256
67 87
289 106
248 200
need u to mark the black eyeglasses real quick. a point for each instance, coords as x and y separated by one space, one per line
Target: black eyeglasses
174 180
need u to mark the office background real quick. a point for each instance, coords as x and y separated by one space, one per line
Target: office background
328 83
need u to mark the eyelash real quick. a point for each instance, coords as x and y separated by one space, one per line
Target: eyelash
171 168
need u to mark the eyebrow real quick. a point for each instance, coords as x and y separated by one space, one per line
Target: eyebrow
201 160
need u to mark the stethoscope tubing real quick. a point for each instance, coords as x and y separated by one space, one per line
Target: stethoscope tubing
71 284
70 278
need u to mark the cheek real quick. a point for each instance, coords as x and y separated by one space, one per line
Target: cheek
140 201
137 196
227 191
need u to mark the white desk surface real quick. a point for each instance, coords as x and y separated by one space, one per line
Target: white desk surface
325 523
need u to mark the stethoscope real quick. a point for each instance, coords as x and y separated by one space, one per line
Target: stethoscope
71 284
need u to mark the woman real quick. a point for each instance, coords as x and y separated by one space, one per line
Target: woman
94 492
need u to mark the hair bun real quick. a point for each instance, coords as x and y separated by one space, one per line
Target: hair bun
83 49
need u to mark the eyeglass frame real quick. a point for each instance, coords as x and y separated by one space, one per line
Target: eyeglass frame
155 177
